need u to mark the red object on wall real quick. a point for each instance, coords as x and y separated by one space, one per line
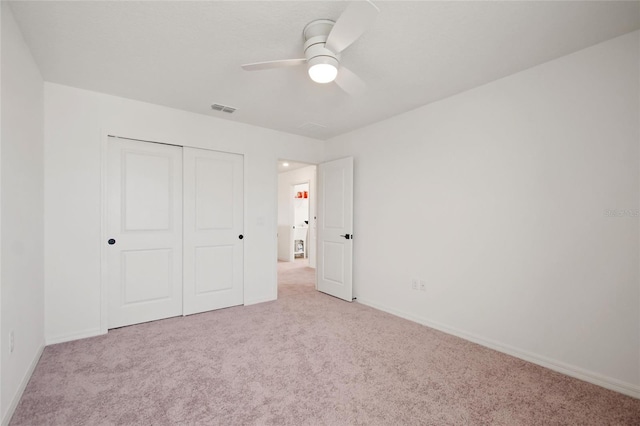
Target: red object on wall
306 194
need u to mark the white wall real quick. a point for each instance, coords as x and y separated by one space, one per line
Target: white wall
285 207
497 197
75 121
21 189
301 205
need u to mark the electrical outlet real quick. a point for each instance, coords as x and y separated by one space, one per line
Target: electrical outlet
414 283
12 340
423 285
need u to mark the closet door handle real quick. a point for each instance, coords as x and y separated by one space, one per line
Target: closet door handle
241 236
111 241
347 236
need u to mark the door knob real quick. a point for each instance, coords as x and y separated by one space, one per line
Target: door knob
111 241
241 236
347 236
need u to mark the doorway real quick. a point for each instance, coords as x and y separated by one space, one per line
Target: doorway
330 222
297 217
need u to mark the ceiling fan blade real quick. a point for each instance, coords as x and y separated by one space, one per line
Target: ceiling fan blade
257 66
349 82
353 22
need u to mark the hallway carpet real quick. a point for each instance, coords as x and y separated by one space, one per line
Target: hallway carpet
305 359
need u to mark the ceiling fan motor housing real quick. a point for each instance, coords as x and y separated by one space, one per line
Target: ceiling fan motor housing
315 35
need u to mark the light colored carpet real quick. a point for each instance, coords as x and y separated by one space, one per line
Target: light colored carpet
296 272
306 359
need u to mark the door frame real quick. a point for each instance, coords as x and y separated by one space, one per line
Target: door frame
150 138
291 212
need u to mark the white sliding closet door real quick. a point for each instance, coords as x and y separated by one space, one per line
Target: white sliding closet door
213 227
144 226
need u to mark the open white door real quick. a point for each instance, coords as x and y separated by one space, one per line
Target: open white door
335 228
213 224
144 226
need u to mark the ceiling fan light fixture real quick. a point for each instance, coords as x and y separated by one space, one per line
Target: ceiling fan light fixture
324 41
323 69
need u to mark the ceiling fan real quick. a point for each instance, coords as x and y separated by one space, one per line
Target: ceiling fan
324 40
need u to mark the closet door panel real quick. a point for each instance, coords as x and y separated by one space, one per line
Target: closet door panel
213 227
144 228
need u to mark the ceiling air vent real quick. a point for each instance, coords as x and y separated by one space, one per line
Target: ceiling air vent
223 108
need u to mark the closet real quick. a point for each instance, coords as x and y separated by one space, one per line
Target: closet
174 223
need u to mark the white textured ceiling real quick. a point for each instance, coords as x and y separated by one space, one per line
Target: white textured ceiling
187 55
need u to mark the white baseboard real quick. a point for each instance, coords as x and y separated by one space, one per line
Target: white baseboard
74 336
23 385
555 365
